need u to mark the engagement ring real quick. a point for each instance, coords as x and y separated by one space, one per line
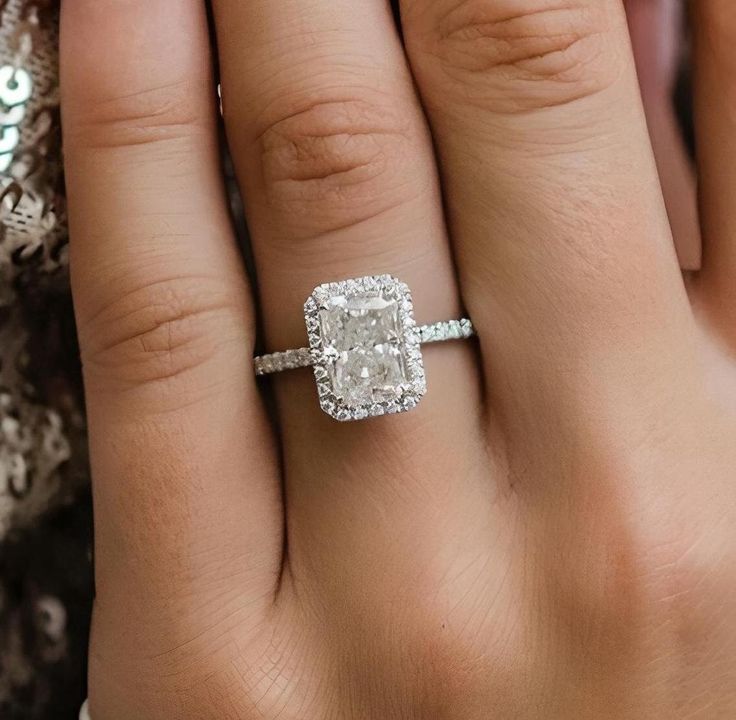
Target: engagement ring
365 347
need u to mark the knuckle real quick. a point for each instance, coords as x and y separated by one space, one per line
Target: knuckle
159 331
692 580
148 116
519 56
334 162
640 568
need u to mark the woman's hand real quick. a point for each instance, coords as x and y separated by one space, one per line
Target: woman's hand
552 532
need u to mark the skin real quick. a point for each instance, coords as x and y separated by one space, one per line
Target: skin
656 34
551 533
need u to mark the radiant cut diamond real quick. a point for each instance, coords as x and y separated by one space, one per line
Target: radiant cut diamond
363 335
367 354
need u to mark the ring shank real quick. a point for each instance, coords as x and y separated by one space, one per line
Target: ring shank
302 357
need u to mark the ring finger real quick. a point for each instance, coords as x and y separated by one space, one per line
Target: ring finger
338 179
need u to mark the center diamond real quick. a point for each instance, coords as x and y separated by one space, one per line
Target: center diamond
369 363
362 335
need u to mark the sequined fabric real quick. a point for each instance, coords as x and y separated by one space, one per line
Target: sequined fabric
45 584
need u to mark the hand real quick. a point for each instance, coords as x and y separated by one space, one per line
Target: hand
551 533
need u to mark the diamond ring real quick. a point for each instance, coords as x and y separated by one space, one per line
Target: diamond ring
365 347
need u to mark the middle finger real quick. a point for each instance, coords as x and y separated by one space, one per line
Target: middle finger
552 195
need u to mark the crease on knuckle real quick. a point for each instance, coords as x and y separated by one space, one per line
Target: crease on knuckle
147 116
158 331
335 162
525 56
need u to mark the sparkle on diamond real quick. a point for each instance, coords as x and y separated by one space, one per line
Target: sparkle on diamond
362 336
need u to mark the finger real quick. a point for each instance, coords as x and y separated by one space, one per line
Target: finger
336 168
563 245
185 484
715 111
657 38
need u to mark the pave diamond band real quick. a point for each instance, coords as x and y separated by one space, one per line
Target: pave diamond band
364 347
280 361
446 330
302 357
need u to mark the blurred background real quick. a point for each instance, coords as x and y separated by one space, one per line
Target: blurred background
46 585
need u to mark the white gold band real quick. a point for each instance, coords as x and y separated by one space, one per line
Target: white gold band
302 357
